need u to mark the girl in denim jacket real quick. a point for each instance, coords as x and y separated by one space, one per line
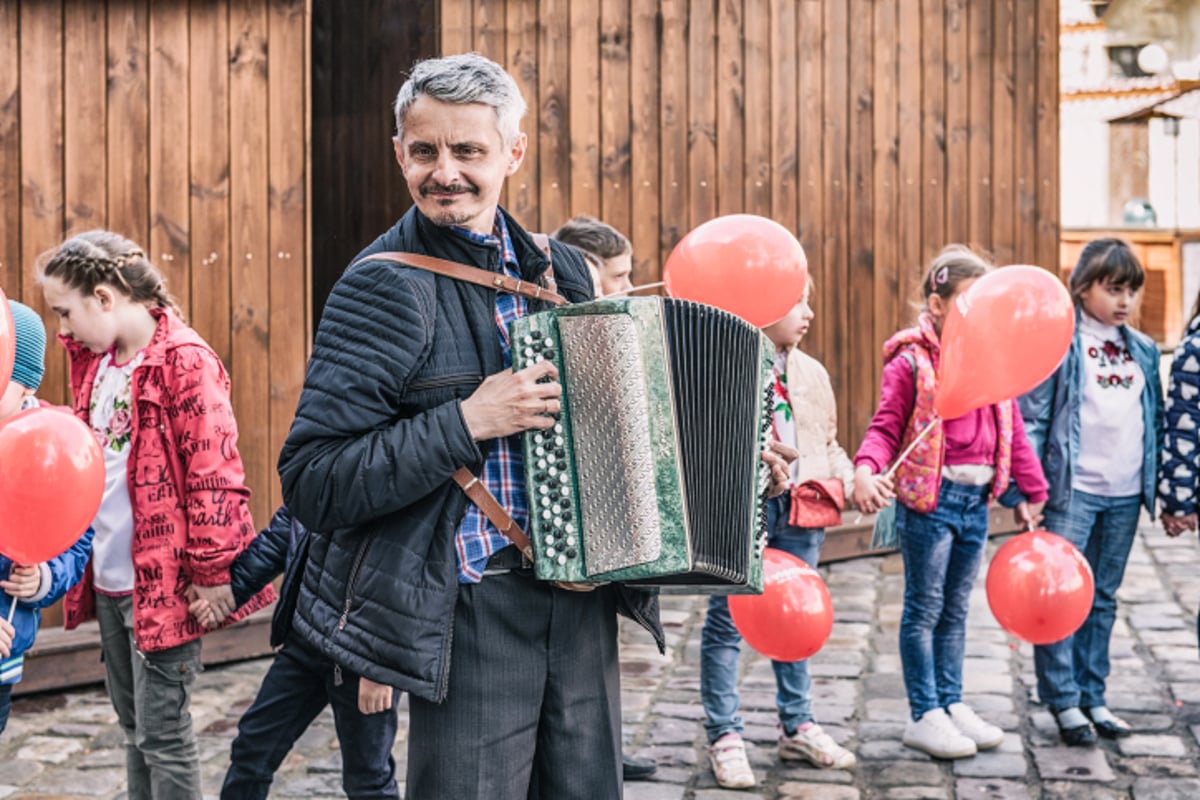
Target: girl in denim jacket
1096 425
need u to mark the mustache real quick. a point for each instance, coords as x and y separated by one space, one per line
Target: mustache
456 188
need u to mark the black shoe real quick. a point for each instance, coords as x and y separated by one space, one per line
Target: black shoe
1109 729
1078 736
637 769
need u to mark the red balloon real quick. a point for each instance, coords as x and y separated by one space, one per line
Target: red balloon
53 483
8 342
1004 335
792 618
1040 587
745 264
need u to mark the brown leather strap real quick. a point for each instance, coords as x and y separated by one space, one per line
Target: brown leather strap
478 494
462 272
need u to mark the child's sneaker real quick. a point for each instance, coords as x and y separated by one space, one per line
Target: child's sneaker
936 735
729 763
984 734
814 745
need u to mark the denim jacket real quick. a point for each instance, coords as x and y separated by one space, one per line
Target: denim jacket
1051 414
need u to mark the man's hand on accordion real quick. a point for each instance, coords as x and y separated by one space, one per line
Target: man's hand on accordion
779 457
510 402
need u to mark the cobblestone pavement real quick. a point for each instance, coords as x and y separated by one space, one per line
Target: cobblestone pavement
68 744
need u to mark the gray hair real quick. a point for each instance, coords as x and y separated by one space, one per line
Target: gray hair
466 78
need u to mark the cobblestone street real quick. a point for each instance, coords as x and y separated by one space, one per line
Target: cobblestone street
68 744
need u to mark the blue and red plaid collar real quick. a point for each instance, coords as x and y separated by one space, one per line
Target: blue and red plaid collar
497 238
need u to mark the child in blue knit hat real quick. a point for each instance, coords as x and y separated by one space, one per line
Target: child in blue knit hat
28 588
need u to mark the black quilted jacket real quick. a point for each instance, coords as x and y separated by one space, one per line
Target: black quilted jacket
377 436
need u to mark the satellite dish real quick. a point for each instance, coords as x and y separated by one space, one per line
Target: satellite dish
1153 59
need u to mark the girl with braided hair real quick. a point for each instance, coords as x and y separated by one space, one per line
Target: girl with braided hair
174 513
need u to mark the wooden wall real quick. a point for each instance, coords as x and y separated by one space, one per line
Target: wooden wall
878 130
184 127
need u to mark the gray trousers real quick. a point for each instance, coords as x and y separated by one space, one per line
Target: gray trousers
151 693
534 704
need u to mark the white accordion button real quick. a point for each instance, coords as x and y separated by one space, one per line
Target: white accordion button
562 560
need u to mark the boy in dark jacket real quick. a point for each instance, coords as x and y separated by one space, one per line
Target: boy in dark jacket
294 692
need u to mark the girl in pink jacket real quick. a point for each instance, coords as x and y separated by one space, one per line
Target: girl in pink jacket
943 488
174 512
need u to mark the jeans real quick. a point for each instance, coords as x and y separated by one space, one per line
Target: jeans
720 642
5 704
942 551
296 688
1072 672
151 693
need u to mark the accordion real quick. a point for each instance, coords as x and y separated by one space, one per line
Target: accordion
651 473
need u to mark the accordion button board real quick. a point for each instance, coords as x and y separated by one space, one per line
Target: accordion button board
650 473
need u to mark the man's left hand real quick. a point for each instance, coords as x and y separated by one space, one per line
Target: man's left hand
23 582
779 457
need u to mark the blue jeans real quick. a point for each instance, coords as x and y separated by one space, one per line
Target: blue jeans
720 642
942 551
1072 672
296 688
5 704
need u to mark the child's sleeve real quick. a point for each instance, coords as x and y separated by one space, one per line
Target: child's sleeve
840 465
881 443
214 491
62 572
1181 446
1027 472
1036 408
263 560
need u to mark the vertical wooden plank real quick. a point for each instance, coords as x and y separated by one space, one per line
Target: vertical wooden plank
41 159
644 141
888 302
209 145
1025 109
1047 137
249 273
554 147
785 202
84 60
290 328
616 199
831 294
1003 133
10 150
491 41
933 114
859 333
454 28
584 109
911 216
757 114
731 108
810 85
979 136
170 223
128 120
523 65
702 111
958 107
674 121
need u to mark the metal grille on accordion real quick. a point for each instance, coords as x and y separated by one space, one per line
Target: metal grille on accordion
651 473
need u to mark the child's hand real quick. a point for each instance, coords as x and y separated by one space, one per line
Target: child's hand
373 697
1175 525
23 582
7 631
202 610
872 492
1028 515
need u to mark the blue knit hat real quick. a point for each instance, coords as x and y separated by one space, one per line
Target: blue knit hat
30 334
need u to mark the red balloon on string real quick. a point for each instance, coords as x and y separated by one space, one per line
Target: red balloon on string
1040 587
792 618
743 263
53 483
8 342
1004 335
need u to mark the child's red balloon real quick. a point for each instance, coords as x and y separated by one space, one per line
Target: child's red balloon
52 486
792 618
1040 587
8 343
1004 335
743 263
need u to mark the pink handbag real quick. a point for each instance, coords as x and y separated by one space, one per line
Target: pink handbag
817 504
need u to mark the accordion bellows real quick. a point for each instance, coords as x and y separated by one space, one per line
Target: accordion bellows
651 473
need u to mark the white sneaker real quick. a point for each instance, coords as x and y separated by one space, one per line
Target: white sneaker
815 746
730 766
984 734
936 735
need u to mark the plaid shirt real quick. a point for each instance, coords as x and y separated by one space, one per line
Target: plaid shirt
503 471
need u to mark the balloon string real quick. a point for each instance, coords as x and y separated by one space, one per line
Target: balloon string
12 610
907 452
634 289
